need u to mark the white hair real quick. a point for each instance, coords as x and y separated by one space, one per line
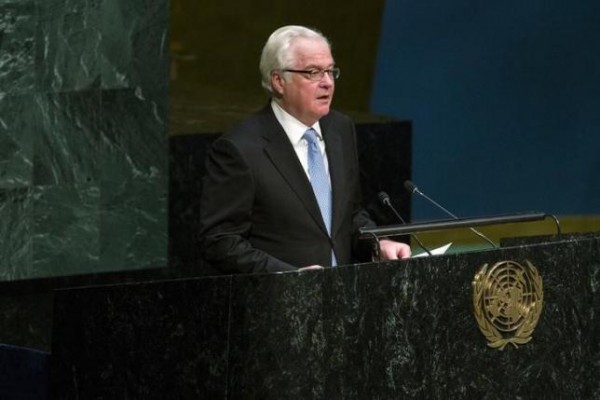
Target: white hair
276 54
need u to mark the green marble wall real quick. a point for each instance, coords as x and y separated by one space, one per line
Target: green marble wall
83 136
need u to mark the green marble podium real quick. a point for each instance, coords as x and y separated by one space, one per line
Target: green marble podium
392 330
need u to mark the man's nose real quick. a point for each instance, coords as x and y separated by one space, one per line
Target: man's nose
327 80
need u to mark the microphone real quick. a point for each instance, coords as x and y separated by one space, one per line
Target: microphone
412 188
385 199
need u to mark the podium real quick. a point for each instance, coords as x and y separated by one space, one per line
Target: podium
403 329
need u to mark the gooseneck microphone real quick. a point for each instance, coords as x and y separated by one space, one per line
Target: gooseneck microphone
412 188
385 199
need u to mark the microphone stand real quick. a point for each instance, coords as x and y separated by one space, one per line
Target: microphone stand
414 189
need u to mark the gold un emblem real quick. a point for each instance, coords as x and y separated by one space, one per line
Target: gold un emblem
507 302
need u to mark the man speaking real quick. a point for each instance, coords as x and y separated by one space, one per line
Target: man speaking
282 190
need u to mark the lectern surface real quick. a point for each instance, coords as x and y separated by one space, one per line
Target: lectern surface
375 331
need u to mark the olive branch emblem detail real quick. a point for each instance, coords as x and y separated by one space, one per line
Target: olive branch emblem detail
507 302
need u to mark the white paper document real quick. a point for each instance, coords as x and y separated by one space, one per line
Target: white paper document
434 252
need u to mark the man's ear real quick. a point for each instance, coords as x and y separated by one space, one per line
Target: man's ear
278 83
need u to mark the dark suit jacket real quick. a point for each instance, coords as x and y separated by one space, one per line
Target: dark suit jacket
258 211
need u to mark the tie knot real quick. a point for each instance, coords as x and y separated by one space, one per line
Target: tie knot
311 136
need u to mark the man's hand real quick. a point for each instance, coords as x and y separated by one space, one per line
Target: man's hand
391 250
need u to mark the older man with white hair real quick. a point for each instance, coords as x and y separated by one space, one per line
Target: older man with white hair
282 190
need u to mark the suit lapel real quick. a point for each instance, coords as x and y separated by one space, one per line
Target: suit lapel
283 156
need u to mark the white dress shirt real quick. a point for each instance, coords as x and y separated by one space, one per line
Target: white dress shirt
295 130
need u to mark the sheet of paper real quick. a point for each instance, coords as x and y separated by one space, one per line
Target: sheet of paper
435 252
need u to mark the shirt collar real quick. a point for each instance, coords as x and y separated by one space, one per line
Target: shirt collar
291 125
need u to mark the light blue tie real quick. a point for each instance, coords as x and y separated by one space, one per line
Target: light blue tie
319 180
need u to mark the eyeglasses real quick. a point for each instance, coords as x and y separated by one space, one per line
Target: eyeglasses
316 74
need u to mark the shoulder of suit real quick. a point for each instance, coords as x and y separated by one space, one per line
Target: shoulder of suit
249 131
335 117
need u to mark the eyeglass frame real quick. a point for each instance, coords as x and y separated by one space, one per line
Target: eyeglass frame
317 73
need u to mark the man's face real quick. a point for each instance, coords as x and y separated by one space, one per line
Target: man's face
301 97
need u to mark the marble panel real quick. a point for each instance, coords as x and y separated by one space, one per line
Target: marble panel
18 127
134 181
410 331
134 139
148 32
16 216
26 319
71 57
366 327
401 329
102 44
142 341
276 337
83 105
17 47
133 225
67 148
65 230
92 152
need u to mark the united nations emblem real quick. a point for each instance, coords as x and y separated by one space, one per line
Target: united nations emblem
507 302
